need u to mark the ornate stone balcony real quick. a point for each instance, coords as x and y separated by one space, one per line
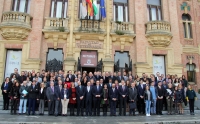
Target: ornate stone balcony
158 33
15 25
122 28
56 29
89 26
122 33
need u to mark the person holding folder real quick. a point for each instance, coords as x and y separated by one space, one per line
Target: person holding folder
23 97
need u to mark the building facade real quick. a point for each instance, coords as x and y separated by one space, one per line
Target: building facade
142 36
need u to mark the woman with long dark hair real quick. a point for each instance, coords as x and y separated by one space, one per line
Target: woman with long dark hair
14 96
72 100
5 87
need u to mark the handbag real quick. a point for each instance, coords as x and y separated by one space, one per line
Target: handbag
132 105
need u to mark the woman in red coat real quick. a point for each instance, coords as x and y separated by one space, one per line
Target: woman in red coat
68 83
72 100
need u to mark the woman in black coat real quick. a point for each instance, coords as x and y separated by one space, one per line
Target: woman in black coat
5 87
14 96
41 98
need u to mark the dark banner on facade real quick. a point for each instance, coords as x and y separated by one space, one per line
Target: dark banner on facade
88 58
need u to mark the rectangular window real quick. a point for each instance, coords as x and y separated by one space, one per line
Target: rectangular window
189 31
59 8
191 72
185 29
95 17
13 60
154 10
120 10
21 6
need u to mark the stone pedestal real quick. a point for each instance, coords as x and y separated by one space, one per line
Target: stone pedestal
108 65
69 64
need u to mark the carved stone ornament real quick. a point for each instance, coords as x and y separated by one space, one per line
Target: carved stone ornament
14 33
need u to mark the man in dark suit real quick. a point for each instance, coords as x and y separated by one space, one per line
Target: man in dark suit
113 95
97 96
80 94
119 77
113 77
88 99
132 97
97 76
32 94
109 85
141 89
70 76
59 87
52 96
123 94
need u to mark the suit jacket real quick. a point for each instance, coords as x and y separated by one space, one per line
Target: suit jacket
52 95
43 94
141 90
113 94
133 94
33 92
22 78
161 91
9 87
65 92
72 78
88 95
80 92
123 92
109 86
119 78
97 92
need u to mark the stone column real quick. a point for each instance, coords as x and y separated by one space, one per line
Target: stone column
108 61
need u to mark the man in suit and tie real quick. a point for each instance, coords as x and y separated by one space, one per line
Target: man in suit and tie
119 77
113 95
53 96
113 77
88 99
70 76
59 87
101 82
109 85
123 94
33 92
141 89
97 96
132 97
97 76
80 94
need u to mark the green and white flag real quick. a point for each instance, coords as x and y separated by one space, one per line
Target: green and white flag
95 7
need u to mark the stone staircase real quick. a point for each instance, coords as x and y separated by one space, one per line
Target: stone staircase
186 108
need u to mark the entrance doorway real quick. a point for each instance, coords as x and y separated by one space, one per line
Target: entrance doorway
88 70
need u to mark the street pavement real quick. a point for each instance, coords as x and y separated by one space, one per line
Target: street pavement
155 119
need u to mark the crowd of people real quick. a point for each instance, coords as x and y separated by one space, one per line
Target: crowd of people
88 93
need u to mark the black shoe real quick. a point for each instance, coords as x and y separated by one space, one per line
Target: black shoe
56 115
28 114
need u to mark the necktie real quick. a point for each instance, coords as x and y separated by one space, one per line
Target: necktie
33 87
60 88
142 86
97 88
113 90
52 89
123 88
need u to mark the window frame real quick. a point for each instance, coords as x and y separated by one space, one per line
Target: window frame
149 7
18 5
116 4
55 8
187 28
192 72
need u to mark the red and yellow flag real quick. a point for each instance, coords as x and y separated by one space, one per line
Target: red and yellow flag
90 8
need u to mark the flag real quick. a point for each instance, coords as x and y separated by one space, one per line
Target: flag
103 10
95 7
90 8
83 9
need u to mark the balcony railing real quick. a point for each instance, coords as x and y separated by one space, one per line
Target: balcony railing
158 33
122 27
158 27
56 24
13 18
92 26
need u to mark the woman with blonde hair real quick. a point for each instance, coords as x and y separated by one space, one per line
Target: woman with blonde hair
41 98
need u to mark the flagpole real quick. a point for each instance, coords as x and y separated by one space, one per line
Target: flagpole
93 16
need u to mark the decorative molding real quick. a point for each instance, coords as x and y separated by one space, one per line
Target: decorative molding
188 41
158 33
190 49
122 40
14 33
185 7
55 37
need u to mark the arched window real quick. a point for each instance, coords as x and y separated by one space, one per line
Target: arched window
187 26
120 10
154 10
21 5
190 72
59 8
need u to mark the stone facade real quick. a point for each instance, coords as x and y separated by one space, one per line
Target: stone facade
142 38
